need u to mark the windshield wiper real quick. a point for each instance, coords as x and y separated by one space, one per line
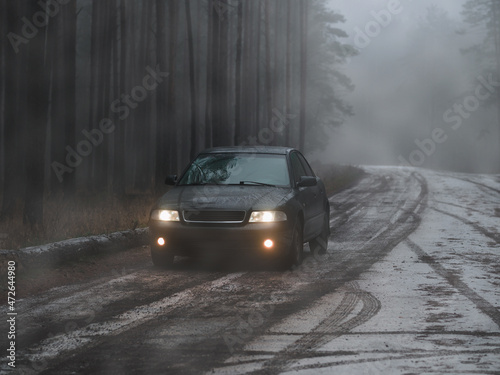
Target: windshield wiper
200 184
256 183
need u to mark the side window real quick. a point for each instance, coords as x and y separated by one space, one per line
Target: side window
298 169
307 168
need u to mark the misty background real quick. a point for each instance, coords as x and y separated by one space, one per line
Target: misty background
416 68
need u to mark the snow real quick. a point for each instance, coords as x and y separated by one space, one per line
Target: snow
425 324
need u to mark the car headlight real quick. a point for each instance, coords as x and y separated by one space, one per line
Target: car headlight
267 216
165 215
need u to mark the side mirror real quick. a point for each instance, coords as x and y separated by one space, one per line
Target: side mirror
171 179
306 181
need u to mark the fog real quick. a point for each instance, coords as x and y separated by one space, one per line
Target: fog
131 94
411 77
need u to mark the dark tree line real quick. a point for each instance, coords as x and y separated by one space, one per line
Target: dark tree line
111 95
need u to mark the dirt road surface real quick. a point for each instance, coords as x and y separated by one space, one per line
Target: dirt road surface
410 285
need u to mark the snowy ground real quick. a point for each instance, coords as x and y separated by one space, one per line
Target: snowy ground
410 285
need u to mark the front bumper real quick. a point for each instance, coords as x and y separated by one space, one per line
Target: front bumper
203 239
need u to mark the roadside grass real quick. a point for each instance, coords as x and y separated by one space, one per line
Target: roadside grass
84 215
93 214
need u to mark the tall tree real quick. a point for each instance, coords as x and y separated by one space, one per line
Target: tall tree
103 86
209 75
15 113
121 66
142 114
268 68
304 14
192 81
63 96
69 16
162 124
288 69
171 99
238 78
36 124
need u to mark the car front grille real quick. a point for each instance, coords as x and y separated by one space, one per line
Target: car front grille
227 217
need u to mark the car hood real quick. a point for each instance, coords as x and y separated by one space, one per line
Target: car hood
224 197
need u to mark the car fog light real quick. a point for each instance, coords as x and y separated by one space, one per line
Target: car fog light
161 241
268 244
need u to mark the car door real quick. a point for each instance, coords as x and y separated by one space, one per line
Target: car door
306 196
317 204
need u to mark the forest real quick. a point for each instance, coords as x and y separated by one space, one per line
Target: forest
111 96
104 98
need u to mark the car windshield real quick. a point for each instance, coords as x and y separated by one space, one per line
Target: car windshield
237 169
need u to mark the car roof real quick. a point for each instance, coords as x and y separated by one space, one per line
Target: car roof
249 149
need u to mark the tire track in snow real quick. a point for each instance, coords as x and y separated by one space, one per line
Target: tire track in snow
334 326
403 356
483 305
481 184
59 346
458 206
486 188
494 236
393 233
345 211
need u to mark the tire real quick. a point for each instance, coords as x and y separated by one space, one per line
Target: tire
320 244
295 253
161 259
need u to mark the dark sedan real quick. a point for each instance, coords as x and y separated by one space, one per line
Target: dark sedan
241 201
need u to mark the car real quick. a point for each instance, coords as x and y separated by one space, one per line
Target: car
239 201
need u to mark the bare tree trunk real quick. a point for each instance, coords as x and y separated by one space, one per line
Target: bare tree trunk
238 62
37 106
279 41
248 79
192 82
209 76
225 125
303 73
57 99
288 69
119 133
93 91
69 53
103 84
162 140
257 72
15 113
142 125
268 73
216 84
171 100
3 40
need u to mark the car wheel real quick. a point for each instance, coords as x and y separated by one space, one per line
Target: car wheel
296 251
161 259
320 244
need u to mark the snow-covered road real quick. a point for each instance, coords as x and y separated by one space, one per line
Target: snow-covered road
411 284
